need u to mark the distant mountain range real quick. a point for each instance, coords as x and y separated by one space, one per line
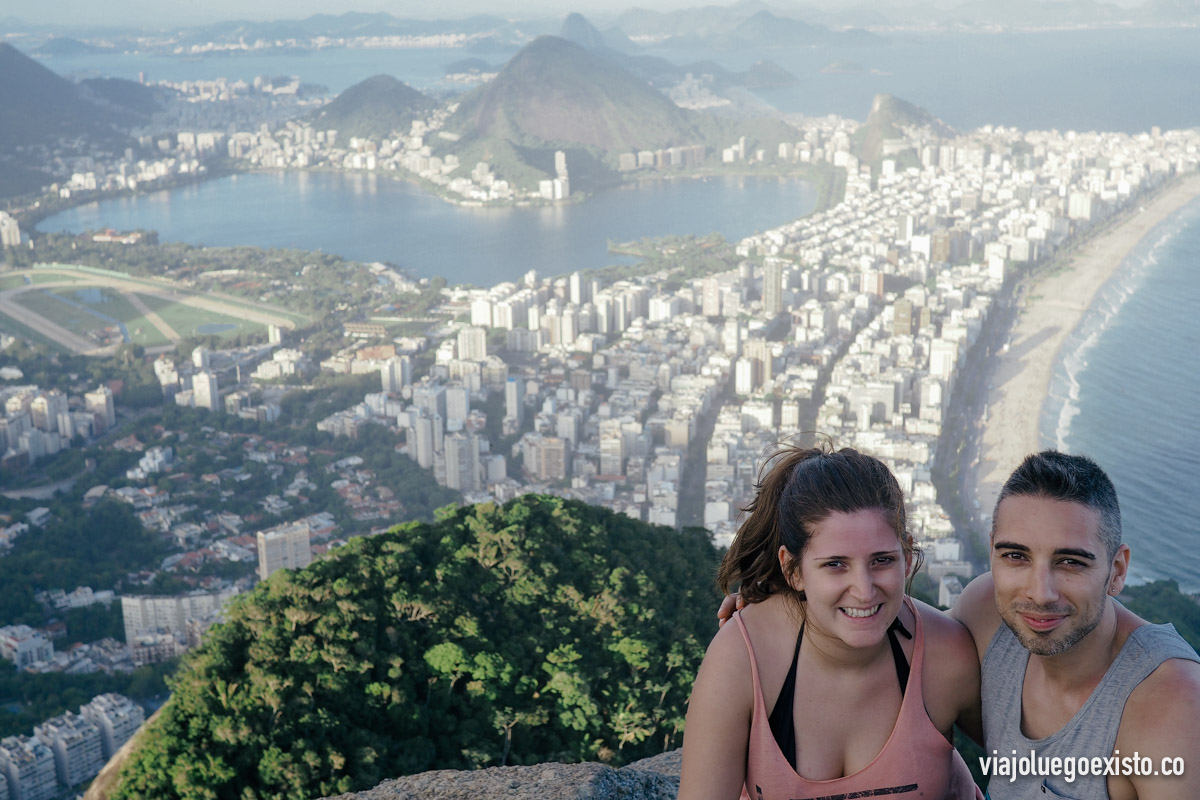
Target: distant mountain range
746 24
661 72
556 95
758 23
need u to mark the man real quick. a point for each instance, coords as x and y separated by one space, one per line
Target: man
1072 674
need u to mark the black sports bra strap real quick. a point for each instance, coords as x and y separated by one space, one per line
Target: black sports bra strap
781 720
898 652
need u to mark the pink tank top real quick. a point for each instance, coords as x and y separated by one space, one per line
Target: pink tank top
916 762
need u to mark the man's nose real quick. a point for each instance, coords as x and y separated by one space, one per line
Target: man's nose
1041 587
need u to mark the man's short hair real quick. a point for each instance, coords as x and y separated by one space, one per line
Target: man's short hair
1072 479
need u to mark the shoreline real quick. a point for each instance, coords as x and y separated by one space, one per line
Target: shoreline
1048 310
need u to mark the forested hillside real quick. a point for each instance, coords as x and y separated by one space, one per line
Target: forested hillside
537 631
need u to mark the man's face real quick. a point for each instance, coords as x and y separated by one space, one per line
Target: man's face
1051 572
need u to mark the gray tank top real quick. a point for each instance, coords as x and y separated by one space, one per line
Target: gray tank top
1091 732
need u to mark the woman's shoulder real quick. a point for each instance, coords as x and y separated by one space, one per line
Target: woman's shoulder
945 637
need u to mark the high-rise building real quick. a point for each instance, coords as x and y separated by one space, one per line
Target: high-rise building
77 747
100 403
581 289
46 408
710 304
153 613
514 399
472 344
772 296
902 318
745 374
284 547
10 231
29 766
423 428
204 391
612 451
458 405
431 397
462 462
200 358
396 373
116 716
761 351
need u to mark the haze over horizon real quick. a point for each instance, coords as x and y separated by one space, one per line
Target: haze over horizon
137 13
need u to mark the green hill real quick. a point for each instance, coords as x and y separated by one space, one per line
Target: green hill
376 107
890 117
543 630
41 107
556 92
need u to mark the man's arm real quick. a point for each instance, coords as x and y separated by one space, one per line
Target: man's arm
1161 722
976 609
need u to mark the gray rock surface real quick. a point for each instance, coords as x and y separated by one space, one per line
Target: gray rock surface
654 778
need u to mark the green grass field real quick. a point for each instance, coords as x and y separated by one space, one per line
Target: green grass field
65 307
17 281
187 320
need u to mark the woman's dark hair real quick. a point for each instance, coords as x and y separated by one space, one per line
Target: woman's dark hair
797 489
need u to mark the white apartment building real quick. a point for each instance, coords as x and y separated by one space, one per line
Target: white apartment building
116 717
29 766
77 746
24 646
284 547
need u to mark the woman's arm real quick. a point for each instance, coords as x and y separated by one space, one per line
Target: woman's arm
717 731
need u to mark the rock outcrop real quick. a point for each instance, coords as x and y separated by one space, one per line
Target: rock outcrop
654 778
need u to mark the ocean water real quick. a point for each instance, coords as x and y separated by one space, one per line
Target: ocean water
1125 393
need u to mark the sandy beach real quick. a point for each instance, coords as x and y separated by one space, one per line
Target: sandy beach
1053 307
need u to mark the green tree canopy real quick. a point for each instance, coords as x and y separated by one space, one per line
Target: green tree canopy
541 630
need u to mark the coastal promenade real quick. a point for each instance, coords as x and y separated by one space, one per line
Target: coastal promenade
1050 309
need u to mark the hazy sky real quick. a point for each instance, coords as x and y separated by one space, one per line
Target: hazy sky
150 13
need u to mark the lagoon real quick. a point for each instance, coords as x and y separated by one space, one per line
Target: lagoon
375 217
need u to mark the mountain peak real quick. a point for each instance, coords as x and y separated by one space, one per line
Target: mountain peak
556 92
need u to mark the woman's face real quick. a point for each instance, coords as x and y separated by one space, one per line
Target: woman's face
852 574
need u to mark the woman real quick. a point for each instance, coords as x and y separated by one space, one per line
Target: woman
832 682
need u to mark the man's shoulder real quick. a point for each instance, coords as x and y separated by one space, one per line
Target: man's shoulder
1163 708
976 609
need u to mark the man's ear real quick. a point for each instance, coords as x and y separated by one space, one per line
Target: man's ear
1118 571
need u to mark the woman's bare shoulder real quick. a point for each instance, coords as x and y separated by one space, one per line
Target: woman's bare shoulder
944 635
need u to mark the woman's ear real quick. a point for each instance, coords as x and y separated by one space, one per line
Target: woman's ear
788 566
